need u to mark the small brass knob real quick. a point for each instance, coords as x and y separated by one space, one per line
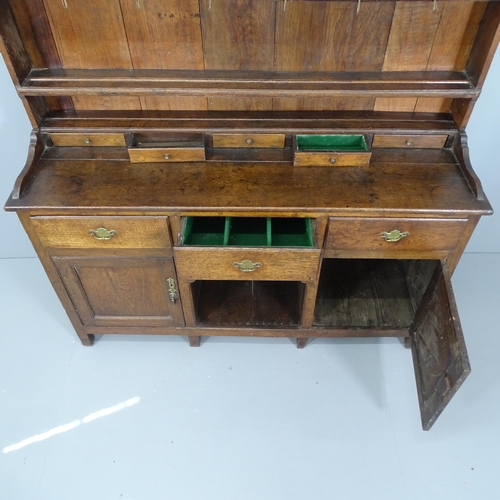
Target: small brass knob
249 141
87 141
166 157
408 143
332 160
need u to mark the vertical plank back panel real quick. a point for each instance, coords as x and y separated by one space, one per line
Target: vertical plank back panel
91 34
322 104
240 104
106 102
38 40
485 44
238 34
452 45
410 44
35 31
165 34
331 36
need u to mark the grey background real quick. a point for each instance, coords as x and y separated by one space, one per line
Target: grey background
484 140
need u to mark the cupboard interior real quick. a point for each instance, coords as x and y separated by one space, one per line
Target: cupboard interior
352 293
371 293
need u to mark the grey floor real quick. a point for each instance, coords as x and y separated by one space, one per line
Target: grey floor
151 418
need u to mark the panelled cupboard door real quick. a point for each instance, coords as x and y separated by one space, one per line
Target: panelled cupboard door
116 291
439 353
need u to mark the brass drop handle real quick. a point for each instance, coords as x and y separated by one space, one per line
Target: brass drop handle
394 235
172 291
102 233
247 266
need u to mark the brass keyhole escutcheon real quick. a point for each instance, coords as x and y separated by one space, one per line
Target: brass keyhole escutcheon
102 233
247 266
172 291
394 235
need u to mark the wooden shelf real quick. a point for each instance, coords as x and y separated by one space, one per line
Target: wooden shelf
217 83
288 122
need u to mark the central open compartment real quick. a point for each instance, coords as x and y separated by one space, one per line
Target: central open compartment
247 303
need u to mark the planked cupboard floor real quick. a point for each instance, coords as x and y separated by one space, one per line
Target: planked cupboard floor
151 418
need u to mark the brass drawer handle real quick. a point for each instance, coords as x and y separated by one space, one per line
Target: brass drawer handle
247 266
172 291
102 233
394 235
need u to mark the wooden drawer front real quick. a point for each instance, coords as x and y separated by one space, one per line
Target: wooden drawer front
168 155
125 232
333 159
409 141
270 264
248 140
352 234
88 140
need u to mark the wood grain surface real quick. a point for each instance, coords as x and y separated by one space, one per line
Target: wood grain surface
276 264
73 232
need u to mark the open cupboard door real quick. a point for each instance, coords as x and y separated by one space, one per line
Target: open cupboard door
437 343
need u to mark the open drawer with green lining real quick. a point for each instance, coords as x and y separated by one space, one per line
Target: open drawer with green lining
341 150
248 232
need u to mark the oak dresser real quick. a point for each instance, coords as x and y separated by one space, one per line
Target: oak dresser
292 168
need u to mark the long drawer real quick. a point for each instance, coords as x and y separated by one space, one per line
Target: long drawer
223 263
102 232
388 237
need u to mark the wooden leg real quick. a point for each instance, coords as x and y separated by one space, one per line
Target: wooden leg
407 343
301 343
86 340
194 340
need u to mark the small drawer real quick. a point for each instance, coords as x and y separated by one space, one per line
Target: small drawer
248 140
409 141
102 232
311 159
88 140
224 263
340 150
392 237
168 155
